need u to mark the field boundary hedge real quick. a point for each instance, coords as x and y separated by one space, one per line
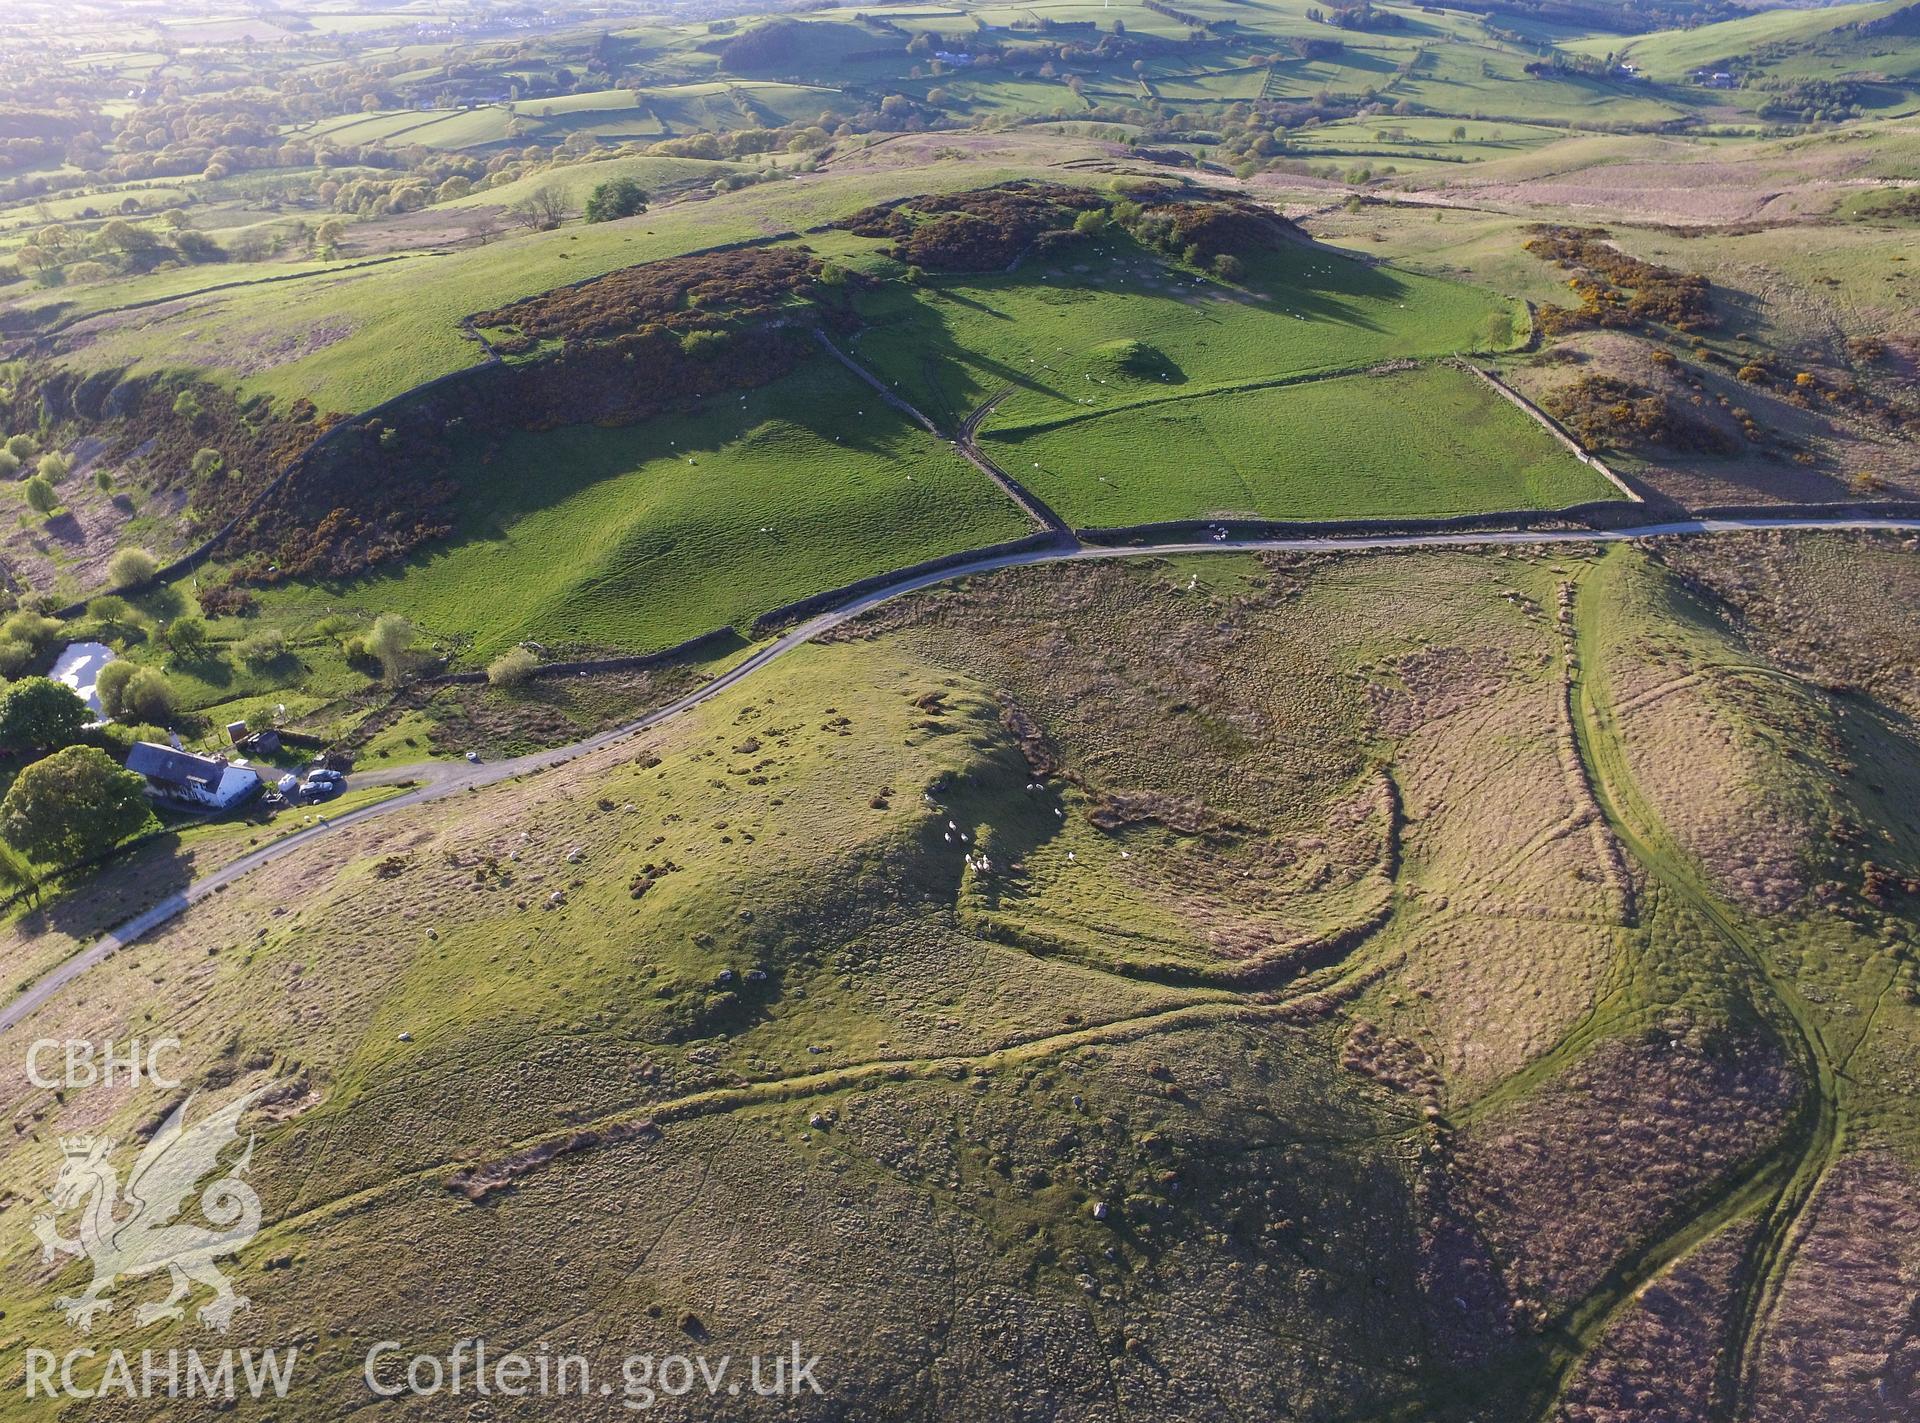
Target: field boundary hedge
1598 514
1594 514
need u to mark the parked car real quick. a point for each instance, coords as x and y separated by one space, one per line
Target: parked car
322 784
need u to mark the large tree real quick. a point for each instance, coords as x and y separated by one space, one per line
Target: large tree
186 637
74 804
391 640
616 198
36 713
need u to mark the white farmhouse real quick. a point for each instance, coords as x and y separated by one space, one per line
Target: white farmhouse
209 781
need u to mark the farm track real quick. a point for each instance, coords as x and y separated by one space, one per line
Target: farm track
1035 508
1781 1181
964 443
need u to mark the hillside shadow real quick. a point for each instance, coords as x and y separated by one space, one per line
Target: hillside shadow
924 353
531 472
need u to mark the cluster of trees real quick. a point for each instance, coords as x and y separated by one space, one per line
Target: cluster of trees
1806 101
1188 17
1360 15
388 645
58 253
27 151
24 634
974 231
1215 236
541 210
72 800
1609 16
39 471
987 228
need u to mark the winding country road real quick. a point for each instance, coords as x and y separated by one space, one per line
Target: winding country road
440 779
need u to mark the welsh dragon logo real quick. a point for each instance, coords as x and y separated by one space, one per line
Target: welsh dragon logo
141 1233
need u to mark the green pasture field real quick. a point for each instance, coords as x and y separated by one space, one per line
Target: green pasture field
1424 145
610 537
82 299
1490 82
996 90
1042 329
1419 443
386 126
1671 54
1880 206
461 128
1483 135
728 106
1220 86
152 196
577 180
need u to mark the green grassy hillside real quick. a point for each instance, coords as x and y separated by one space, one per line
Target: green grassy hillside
1793 44
638 538
1371 920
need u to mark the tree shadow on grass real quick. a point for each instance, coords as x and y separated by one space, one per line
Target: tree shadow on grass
206 667
937 351
85 902
65 527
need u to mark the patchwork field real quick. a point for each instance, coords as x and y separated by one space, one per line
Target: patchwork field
348 340
1672 54
1468 977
